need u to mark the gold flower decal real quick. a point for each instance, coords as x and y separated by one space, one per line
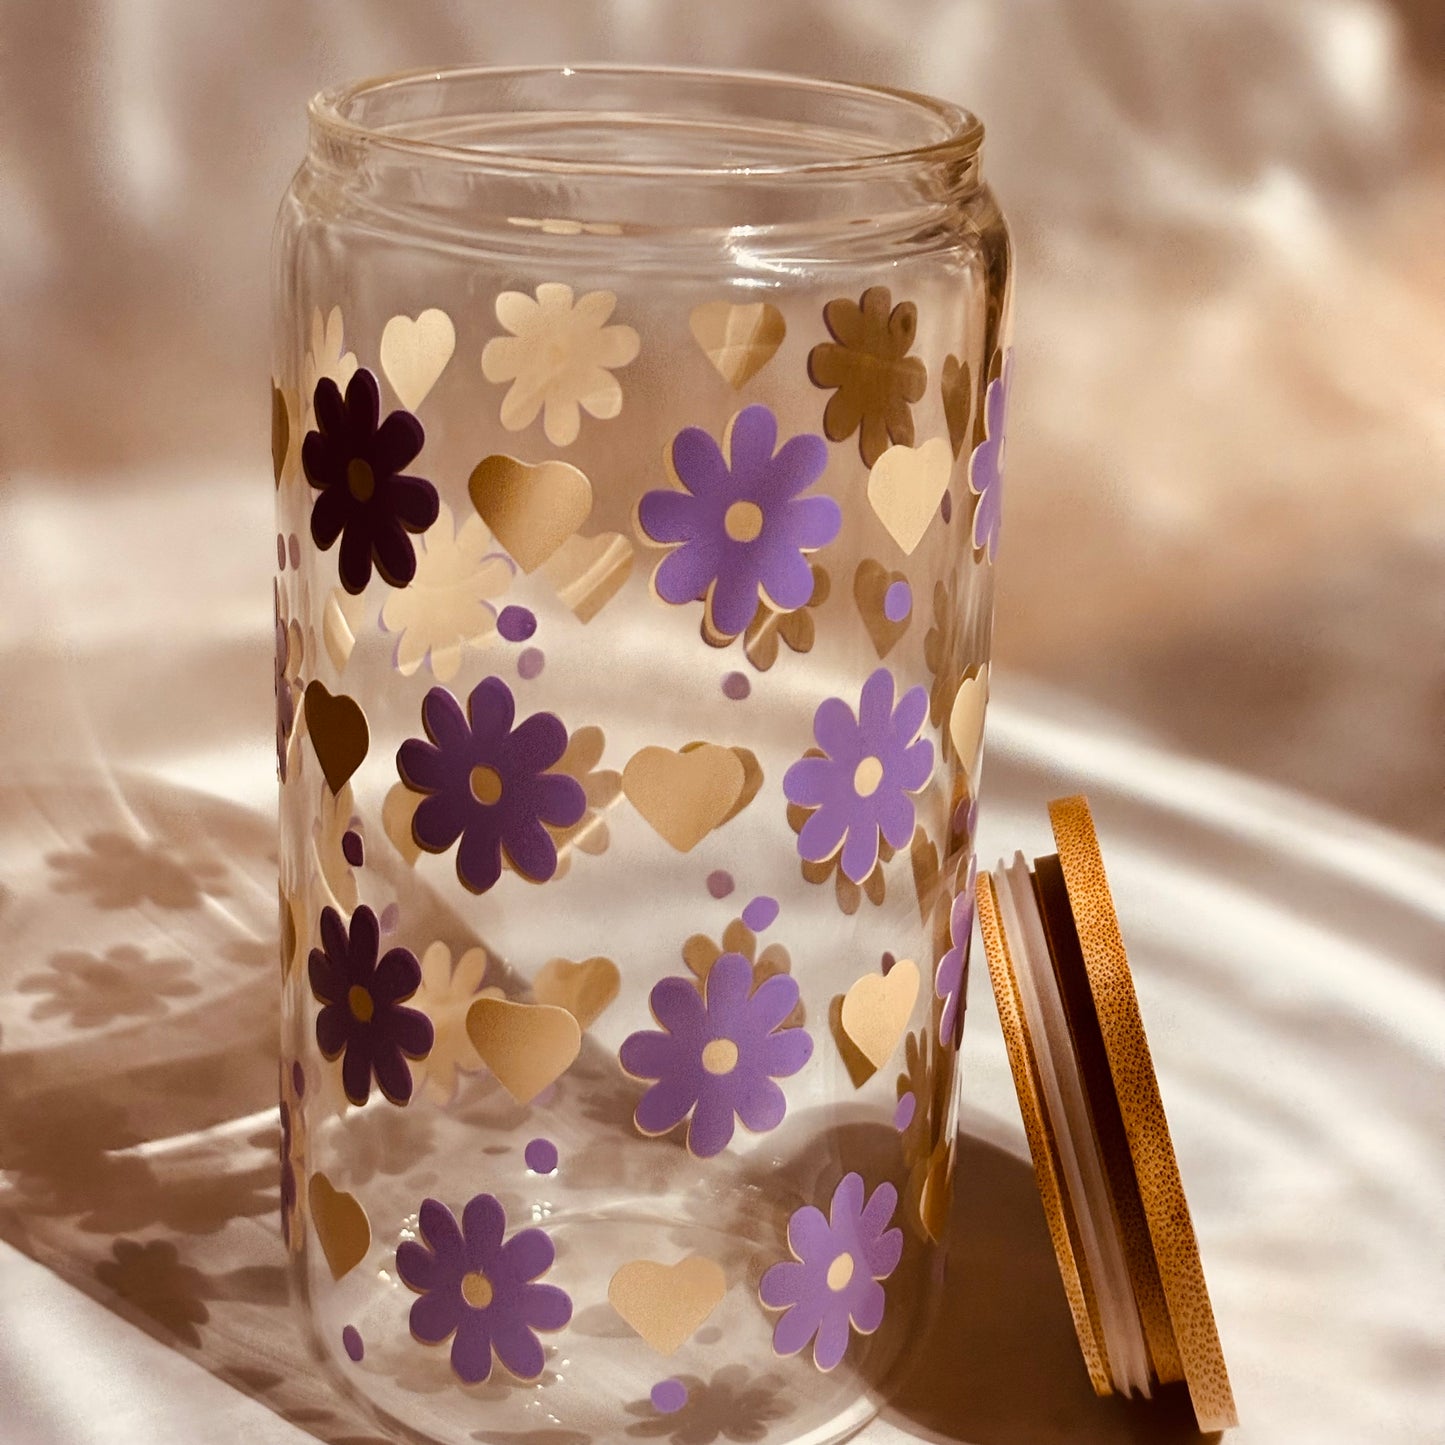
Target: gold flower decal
867 366
559 359
447 991
700 953
448 606
603 788
850 894
927 1078
797 629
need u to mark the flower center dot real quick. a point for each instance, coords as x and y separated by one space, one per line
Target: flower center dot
360 481
477 1290
840 1272
486 784
743 521
867 776
720 1056
360 1003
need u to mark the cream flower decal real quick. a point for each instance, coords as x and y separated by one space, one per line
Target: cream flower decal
559 359
447 991
326 355
449 603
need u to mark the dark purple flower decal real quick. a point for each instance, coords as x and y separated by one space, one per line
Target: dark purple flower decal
362 1015
739 528
985 466
717 1054
480 1289
364 499
833 1283
487 783
861 788
290 1118
950 983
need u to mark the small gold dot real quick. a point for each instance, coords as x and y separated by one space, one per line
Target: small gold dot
866 777
720 1056
477 1290
361 1004
360 480
840 1272
486 784
743 521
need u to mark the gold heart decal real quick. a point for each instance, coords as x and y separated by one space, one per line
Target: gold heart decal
583 989
906 486
280 431
876 1010
532 510
752 777
340 1223
667 1303
526 1045
957 404
685 795
871 584
415 353
965 721
738 340
588 572
338 732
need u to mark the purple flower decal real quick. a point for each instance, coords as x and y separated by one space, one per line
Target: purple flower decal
717 1054
985 466
356 466
832 1284
861 787
741 528
480 1289
951 981
362 1014
487 784
289 1150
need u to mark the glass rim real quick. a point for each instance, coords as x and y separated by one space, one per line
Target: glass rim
961 141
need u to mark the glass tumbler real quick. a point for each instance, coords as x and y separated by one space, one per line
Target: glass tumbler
638 441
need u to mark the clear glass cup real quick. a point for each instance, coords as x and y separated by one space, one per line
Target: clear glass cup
638 441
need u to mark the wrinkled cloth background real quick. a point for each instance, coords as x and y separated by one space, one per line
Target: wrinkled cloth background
1224 542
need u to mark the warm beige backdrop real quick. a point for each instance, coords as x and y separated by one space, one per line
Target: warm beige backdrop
1227 484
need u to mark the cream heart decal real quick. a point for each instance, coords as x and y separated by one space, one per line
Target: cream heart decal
667 1303
905 487
532 510
342 617
340 1224
965 722
526 1045
415 353
877 1008
589 571
584 989
685 795
397 810
338 731
738 340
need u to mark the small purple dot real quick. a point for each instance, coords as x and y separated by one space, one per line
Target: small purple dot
298 1078
898 601
352 849
903 1114
720 883
888 962
516 624
352 1342
736 686
541 1156
280 552
760 913
390 917
530 663
293 548
946 507
669 1396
